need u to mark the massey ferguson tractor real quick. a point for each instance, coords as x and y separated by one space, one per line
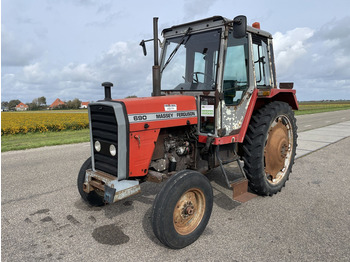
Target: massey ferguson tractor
215 100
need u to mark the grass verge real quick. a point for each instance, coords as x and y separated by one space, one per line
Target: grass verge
34 140
305 109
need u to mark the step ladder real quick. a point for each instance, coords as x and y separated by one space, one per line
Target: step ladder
239 186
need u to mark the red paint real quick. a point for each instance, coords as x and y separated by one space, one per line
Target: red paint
146 105
141 149
156 104
285 95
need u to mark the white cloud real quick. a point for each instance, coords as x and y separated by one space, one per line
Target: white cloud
34 74
123 64
290 46
196 8
16 51
318 61
78 73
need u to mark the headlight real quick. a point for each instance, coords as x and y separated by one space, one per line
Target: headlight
112 150
97 146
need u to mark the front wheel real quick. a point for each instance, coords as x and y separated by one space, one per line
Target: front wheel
269 148
93 198
182 209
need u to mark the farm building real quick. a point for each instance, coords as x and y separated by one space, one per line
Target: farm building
56 103
21 107
84 104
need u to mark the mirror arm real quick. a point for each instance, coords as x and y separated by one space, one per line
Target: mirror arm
143 44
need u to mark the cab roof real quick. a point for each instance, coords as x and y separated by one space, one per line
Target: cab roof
205 24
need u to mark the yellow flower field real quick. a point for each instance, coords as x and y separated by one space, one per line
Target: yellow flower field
24 122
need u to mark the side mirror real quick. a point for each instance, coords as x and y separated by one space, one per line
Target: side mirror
239 26
143 44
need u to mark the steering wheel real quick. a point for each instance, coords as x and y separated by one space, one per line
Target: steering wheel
195 78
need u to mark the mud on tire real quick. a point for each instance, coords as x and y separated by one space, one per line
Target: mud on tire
269 148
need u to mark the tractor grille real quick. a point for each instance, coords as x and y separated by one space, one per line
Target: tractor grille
104 128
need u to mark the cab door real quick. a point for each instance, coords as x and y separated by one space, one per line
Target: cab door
236 85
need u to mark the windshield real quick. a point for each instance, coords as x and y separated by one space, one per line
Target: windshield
189 63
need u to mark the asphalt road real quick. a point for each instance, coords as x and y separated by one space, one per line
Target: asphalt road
308 122
44 219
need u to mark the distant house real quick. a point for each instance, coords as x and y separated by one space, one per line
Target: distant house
21 107
56 103
84 104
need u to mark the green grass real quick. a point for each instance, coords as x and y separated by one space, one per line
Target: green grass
320 107
34 140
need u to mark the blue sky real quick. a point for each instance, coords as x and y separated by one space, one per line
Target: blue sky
66 48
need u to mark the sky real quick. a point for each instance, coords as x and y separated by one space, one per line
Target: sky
66 48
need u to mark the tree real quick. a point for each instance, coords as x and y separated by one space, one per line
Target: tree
12 104
42 101
74 104
133 96
33 106
4 104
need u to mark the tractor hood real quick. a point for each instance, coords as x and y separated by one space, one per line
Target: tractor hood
160 112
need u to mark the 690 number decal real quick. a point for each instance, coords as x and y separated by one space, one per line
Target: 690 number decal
140 118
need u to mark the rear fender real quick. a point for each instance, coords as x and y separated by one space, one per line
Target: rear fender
284 95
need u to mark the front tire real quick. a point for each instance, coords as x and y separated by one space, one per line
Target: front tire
93 198
269 148
182 209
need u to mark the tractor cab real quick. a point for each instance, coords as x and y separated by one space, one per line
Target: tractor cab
220 62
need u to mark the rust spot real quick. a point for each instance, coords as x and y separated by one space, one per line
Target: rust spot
217 98
235 132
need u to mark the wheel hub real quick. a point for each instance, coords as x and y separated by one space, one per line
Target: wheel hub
276 149
189 211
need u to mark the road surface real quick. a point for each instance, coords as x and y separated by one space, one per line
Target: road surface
44 219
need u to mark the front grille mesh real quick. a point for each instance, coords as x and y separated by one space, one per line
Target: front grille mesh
105 130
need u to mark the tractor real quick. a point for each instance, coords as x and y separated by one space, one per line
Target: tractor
215 100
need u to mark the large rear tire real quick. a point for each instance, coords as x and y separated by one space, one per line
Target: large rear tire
269 148
93 198
182 209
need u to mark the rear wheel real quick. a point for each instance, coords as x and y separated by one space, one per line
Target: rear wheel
182 209
93 198
269 148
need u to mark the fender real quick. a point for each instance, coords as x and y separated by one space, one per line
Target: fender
284 95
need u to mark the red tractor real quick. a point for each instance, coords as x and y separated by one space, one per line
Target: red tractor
215 100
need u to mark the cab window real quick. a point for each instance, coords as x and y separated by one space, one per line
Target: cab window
261 62
235 80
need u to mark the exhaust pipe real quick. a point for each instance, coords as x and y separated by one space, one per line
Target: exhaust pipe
156 67
107 86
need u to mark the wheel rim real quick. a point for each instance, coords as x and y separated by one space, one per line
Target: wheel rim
189 211
278 149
